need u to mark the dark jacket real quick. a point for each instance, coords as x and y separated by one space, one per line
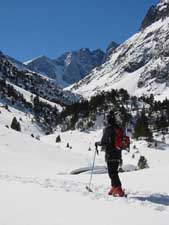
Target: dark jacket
108 141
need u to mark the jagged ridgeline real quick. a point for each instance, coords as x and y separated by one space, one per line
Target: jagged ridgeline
68 68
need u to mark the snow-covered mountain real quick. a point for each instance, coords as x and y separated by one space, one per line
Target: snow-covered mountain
69 67
33 82
48 68
30 97
140 64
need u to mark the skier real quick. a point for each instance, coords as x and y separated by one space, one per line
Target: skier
111 142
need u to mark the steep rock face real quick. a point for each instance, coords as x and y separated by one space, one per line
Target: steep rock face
78 63
140 65
68 68
155 13
110 49
43 65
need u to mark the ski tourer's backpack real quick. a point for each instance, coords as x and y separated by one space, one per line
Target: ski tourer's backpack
122 141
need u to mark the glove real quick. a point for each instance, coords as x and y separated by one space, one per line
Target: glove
97 144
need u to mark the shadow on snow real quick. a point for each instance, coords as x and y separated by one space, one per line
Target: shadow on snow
155 198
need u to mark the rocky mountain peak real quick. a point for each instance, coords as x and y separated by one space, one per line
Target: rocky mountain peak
37 59
155 13
78 64
69 67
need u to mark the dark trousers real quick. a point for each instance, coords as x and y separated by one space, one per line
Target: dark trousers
112 167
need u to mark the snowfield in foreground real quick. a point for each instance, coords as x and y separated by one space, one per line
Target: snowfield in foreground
38 189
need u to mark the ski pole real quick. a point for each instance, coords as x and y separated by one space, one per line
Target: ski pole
90 181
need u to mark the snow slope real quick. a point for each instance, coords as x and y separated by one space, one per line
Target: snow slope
25 119
38 189
139 65
28 95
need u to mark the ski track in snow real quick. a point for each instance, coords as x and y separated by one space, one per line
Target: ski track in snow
157 201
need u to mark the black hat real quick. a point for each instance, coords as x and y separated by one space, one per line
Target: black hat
111 118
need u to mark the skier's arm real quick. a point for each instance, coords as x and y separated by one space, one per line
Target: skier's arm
101 143
98 143
105 138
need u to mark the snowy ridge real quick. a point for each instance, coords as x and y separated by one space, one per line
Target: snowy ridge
139 65
28 95
155 13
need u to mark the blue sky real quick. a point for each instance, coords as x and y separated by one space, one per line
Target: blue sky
30 28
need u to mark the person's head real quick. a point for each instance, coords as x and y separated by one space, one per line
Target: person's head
114 118
111 118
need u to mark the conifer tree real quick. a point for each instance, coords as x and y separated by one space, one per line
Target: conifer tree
58 139
141 128
142 163
15 124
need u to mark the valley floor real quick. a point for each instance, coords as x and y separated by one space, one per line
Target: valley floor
37 188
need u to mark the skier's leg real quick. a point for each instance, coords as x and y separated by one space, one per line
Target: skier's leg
113 173
116 189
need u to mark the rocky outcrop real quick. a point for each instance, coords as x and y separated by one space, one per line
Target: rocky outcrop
110 49
156 13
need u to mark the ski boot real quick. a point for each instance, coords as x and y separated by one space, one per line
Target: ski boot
116 192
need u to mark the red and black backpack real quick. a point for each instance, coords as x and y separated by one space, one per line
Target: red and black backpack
121 140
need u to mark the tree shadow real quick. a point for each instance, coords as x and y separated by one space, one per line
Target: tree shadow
155 198
96 170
